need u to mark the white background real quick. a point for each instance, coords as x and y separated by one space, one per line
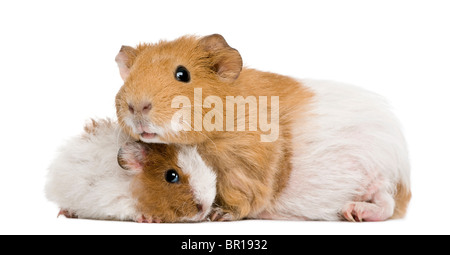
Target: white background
57 70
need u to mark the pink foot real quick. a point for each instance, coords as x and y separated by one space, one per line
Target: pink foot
218 214
67 214
363 211
380 208
143 219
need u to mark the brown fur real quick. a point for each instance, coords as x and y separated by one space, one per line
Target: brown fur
250 173
156 198
402 198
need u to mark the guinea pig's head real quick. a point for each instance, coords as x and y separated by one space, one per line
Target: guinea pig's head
156 102
172 183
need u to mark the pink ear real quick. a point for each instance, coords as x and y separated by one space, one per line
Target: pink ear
227 62
124 60
132 156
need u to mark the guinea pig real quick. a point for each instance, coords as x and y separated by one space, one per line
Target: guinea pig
282 148
88 180
172 183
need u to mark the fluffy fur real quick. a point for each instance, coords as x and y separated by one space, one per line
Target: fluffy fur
348 151
250 173
339 155
191 199
85 179
202 180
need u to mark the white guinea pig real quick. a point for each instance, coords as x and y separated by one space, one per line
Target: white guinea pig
104 174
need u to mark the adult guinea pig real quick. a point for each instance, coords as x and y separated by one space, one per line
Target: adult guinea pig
88 180
302 149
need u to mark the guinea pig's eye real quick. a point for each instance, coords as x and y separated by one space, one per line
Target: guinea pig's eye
182 74
172 176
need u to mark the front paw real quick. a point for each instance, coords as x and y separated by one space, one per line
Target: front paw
148 219
218 214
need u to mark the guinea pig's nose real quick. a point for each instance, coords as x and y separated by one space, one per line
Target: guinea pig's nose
200 207
131 108
146 107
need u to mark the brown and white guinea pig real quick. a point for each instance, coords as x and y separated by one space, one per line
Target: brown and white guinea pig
172 182
87 179
332 151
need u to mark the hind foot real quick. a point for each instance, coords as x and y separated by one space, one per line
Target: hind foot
380 208
362 211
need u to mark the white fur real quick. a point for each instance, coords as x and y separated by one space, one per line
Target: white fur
202 178
86 180
349 143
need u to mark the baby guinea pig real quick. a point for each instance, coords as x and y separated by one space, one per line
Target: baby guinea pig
172 182
87 179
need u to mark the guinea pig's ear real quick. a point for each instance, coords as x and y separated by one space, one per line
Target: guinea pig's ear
227 62
132 156
124 60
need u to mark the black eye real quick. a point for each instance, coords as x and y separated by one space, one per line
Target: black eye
172 176
182 74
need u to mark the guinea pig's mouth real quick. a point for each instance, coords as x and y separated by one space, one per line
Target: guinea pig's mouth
146 135
149 137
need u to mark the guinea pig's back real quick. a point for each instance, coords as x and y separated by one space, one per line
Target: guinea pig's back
362 124
85 178
347 146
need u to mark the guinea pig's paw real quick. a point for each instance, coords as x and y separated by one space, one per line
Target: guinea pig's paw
218 214
67 214
148 219
362 211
